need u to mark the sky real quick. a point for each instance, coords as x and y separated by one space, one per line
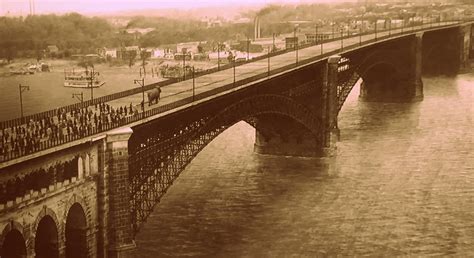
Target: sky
22 7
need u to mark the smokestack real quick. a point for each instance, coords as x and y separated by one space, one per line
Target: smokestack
257 27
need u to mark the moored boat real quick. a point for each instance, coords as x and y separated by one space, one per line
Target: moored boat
83 79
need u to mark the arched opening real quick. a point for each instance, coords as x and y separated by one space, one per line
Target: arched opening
380 82
76 232
13 245
46 239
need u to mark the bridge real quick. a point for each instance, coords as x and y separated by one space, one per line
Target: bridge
88 194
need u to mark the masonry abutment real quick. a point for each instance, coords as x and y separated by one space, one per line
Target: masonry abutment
120 234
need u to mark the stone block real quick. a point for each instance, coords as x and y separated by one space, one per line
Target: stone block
18 200
59 185
66 182
34 194
51 188
43 190
9 204
27 197
73 179
2 206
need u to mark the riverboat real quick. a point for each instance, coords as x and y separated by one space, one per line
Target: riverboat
84 79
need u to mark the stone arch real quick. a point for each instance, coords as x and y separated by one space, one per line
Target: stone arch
76 232
82 202
384 75
12 241
47 236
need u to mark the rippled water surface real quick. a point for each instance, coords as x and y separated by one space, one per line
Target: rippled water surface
402 183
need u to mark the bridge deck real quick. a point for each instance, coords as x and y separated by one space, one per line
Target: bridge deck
179 95
218 79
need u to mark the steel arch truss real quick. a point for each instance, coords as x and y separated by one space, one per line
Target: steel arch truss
160 158
347 78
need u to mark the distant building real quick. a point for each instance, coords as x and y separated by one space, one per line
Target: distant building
111 53
188 47
126 53
52 49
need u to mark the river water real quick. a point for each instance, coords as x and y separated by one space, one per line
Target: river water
402 183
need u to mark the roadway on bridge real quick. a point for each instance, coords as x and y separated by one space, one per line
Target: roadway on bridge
184 89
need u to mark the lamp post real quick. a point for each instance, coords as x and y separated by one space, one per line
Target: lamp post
233 68
194 86
92 82
332 28
141 82
342 38
268 63
79 96
389 27
218 56
273 46
376 29
248 46
295 43
183 51
316 34
22 88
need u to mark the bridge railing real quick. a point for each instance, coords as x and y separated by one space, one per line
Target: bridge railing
56 141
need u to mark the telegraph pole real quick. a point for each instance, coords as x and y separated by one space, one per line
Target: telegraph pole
184 64
141 82
218 56
248 46
22 88
194 86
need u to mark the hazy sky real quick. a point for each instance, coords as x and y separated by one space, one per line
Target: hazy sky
100 6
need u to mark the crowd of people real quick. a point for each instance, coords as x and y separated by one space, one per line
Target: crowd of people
35 135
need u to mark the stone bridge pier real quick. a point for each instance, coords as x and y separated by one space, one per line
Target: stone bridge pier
391 71
279 136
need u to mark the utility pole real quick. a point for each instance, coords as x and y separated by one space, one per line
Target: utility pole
273 47
233 62
141 82
248 46
376 20
194 86
184 64
316 34
92 75
218 57
268 61
79 96
342 39
296 44
332 28
22 88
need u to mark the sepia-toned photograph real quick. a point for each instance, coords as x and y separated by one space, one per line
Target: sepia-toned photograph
236 128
